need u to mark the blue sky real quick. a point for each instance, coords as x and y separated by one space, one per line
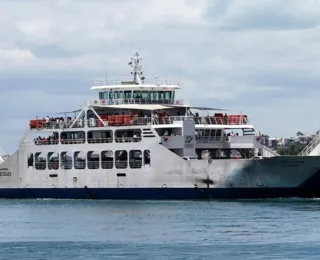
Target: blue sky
258 56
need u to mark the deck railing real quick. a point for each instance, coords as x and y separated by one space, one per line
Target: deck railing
139 101
89 140
94 123
128 81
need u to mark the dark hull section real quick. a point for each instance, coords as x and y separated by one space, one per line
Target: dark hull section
157 193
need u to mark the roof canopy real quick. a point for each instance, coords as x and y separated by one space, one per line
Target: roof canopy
208 108
151 87
135 106
68 112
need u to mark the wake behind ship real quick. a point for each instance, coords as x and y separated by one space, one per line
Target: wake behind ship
136 140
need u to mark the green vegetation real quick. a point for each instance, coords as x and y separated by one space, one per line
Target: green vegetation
291 149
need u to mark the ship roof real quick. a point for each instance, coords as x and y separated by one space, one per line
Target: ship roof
209 108
136 106
136 87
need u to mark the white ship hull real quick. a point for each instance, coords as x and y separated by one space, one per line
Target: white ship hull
169 177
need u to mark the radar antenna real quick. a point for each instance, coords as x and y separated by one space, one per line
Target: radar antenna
138 78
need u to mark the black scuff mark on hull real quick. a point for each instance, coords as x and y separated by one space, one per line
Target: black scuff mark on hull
92 197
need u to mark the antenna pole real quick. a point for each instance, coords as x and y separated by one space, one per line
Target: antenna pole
136 69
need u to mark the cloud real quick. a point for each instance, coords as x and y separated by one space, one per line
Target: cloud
260 57
264 14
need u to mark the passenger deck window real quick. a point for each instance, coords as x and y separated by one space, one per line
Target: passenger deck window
30 159
135 160
146 158
66 160
53 161
93 158
80 160
107 159
40 161
121 159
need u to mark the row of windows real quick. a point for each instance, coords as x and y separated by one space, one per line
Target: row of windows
143 94
89 160
93 137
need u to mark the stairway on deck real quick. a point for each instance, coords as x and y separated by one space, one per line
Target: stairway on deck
267 152
313 148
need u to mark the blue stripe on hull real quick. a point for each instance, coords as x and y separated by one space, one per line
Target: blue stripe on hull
156 193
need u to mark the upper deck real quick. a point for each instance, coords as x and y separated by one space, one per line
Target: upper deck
138 101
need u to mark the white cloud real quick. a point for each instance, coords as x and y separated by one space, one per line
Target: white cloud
258 56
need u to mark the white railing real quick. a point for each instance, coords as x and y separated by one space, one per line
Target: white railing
209 139
128 81
137 101
312 145
269 152
3 155
94 123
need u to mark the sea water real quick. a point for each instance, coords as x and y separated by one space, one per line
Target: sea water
238 229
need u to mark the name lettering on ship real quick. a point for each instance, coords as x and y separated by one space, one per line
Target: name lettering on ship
5 172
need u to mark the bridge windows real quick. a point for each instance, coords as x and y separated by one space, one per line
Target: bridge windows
95 137
40 161
80 160
76 137
138 96
53 161
118 94
103 95
121 159
107 159
135 161
128 94
93 160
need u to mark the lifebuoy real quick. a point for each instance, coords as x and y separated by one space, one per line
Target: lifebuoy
95 101
177 102
103 102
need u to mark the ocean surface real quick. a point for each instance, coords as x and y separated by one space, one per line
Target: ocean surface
79 229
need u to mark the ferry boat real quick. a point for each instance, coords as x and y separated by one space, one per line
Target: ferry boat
136 140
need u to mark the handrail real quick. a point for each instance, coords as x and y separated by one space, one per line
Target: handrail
310 146
209 139
133 101
99 140
270 151
128 81
94 123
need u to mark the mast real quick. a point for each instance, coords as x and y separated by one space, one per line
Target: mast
136 69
